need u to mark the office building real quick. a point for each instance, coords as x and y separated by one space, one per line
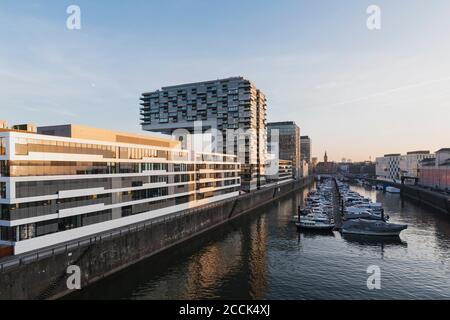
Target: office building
388 167
304 169
306 148
234 109
68 182
409 163
287 143
284 172
314 162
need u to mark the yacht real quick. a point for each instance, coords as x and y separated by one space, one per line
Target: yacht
372 227
316 222
361 213
392 190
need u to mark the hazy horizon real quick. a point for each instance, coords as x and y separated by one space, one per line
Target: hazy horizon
357 93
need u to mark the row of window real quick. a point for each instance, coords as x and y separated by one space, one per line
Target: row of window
34 230
58 168
49 168
26 145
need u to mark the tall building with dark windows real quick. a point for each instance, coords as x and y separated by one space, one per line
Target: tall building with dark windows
288 143
235 107
68 182
306 147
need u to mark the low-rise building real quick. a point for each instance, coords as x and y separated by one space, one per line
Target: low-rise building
435 172
68 182
284 171
388 167
409 163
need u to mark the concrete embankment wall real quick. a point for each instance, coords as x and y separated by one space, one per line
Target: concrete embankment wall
45 278
431 199
435 200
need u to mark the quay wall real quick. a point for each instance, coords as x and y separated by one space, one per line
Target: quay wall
45 276
434 200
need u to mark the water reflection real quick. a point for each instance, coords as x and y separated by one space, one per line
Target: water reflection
374 241
262 256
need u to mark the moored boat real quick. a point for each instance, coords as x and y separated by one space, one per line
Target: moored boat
372 227
392 190
316 222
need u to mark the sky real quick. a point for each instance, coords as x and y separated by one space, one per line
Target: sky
358 93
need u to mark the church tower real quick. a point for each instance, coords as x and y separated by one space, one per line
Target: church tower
325 158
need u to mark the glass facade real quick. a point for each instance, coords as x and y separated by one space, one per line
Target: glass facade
56 189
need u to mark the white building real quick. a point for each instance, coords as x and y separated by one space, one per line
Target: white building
409 163
388 167
69 182
442 156
305 169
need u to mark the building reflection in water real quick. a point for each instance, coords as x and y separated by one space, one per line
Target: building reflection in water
215 263
257 258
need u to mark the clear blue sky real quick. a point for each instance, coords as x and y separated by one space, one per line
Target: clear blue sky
357 93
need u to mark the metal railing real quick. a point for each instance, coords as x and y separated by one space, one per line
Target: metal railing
28 258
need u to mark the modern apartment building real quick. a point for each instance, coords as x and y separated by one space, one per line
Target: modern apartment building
234 108
67 182
388 167
305 148
409 163
287 136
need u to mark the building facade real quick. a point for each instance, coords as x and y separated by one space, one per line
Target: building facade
305 149
435 172
68 182
234 109
287 136
314 163
284 173
409 163
304 169
388 167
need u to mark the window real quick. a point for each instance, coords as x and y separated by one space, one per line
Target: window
4 168
2 190
2 146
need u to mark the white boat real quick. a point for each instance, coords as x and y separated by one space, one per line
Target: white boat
392 190
372 228
361 213
316 222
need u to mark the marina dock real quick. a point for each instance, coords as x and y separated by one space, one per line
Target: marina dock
337 207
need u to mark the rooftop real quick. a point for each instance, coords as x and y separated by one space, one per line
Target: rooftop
282 123
418 152
393 155
89 133
195 84
443 150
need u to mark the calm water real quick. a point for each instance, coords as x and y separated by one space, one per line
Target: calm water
261 256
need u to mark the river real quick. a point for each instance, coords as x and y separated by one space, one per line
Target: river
261 256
